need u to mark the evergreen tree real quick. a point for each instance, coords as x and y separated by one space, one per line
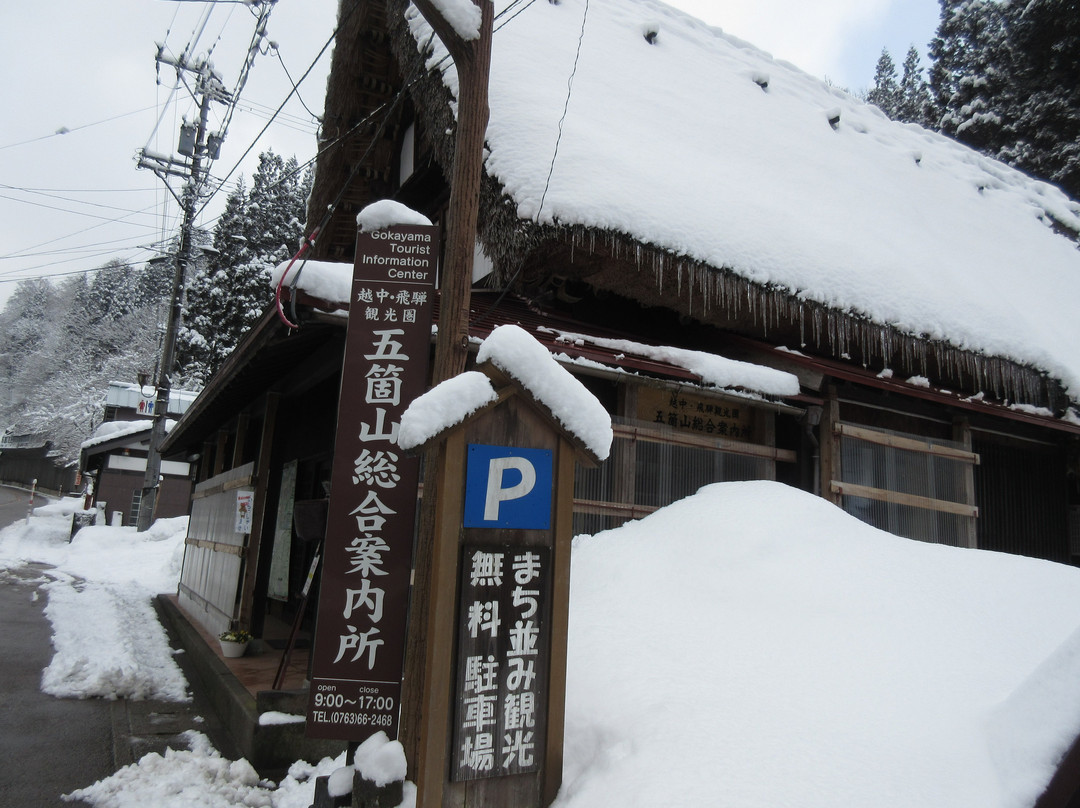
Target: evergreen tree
885 94
970 76
258 230
915 101
1045 131
24 326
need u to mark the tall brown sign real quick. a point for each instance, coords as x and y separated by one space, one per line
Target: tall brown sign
363 599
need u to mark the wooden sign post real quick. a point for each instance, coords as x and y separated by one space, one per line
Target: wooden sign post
494 688
367 561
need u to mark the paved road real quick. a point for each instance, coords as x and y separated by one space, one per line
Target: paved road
14 503
51 746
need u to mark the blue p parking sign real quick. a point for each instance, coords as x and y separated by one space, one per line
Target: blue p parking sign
508 487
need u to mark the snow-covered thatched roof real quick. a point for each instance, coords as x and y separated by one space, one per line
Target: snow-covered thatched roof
720 170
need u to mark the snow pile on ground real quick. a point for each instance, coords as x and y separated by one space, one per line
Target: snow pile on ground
108 644
753 645
202 777
107 639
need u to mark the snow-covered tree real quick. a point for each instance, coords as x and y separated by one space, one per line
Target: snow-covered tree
970 77
885 94
1045 131
1006 80
915 102
258 230
60 345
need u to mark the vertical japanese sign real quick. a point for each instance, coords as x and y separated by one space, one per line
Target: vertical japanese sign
363 600
503 640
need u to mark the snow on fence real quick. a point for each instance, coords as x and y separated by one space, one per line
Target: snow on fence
214 549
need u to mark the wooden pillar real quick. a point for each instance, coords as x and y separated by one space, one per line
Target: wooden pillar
206 461
441 622
624 452
830 445
219 452
241 437
258 517
472 60
962 434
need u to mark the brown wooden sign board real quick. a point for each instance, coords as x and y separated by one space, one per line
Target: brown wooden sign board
700 415
504 626
359 643
456 768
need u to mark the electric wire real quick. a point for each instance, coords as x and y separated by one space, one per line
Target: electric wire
299 98
551 168
291 93
68 130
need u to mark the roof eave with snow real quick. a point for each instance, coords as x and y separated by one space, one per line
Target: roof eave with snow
798 277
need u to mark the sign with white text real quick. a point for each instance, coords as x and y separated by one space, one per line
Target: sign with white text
503 640
359 644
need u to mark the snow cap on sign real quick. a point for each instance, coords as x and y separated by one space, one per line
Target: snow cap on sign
386 213
444 406
516 353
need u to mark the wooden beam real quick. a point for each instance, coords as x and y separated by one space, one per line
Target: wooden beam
899 498
910 444
673 437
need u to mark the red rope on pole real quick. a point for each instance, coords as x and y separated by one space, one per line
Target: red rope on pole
308 242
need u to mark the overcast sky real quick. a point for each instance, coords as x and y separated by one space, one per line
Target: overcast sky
70 202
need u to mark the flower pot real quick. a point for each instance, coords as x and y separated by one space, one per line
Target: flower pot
232 649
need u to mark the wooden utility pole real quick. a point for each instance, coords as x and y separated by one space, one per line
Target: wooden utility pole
206 87
472 58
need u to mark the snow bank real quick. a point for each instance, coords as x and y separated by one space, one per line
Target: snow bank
751 645
107 640
754 645
109 644
200 776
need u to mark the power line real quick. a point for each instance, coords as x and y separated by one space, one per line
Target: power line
291 93
97 205
66 130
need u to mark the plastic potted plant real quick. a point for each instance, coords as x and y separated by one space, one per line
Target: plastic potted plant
234 642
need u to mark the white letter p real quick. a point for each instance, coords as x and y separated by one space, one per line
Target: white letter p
496 494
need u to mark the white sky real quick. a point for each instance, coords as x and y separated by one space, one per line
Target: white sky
69 203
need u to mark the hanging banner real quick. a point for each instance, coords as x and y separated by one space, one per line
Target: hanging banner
359 645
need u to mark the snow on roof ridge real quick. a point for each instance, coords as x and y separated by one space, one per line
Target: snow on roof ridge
847 218
714 370
111 430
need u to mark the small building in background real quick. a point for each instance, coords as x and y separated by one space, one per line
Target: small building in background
112 461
